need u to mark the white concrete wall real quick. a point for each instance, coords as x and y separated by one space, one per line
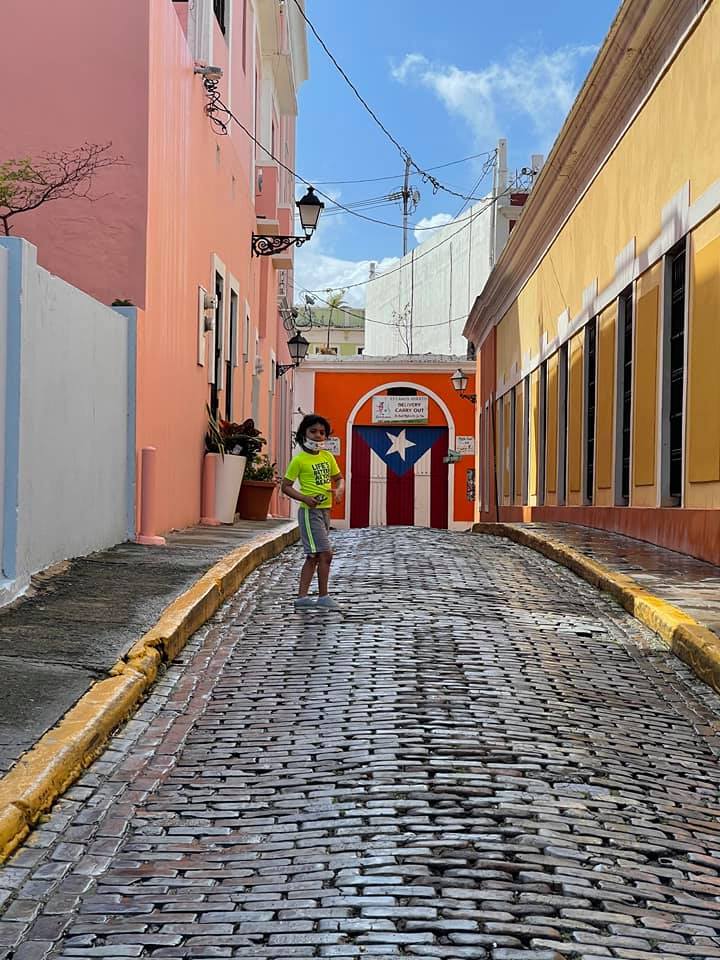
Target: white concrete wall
447 279
3 366
72 464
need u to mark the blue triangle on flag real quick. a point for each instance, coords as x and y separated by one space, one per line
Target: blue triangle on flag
400 447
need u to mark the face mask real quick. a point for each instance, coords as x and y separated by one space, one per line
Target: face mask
312 445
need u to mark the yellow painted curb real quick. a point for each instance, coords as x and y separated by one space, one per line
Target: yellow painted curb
693 643
44 772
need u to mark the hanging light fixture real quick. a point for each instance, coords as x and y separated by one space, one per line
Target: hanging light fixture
298 348
459 380
309 209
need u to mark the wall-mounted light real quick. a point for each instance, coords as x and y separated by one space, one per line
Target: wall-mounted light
459 381
298 348
309 208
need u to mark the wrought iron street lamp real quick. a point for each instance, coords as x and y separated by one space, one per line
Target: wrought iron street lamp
298 347
309 209
459 381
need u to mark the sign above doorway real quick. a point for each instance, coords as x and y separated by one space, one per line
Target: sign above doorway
400 409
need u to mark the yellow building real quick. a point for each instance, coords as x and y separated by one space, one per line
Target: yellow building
339 331
598 332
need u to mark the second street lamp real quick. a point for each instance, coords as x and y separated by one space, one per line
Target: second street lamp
309 209
459 380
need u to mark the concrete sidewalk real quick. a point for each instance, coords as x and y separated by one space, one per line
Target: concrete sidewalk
80 620
675 595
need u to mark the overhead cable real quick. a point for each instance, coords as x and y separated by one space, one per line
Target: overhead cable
405 154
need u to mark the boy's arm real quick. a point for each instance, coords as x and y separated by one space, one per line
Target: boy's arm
289 490
338 485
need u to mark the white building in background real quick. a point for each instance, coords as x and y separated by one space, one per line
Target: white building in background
421 304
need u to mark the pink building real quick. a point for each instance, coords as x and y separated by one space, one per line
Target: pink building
171 228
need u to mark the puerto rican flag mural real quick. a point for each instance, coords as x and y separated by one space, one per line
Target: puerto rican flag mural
398 477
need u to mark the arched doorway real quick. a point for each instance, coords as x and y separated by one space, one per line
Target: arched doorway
398 475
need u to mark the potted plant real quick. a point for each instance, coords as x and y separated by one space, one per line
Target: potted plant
258 486
232 444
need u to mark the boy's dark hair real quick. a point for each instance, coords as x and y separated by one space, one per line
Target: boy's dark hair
309 420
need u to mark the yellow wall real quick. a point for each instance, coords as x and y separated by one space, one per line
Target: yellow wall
673 140
645 390
605 407
703 388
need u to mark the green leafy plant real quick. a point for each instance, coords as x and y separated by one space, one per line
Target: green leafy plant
260 468
122 303
224 436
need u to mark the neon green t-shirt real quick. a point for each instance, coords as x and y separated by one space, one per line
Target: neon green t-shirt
314 471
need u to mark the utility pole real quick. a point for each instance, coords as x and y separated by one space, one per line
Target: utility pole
406 195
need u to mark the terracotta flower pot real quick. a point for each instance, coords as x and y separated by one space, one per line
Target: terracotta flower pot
254 499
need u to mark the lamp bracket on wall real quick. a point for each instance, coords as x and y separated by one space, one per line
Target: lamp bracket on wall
266 246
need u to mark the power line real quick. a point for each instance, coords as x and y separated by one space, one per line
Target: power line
389 273
215 108
405 154
397 176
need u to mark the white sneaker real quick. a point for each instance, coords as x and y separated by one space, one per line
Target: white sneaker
326 603
304 602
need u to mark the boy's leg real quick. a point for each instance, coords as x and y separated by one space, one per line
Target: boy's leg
324 561
307 573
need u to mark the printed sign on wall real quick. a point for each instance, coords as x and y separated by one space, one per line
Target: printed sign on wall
332 445
400 409
465 445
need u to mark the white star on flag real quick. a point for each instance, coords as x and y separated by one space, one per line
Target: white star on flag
399 444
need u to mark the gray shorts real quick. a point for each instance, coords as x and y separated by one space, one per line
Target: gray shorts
314 530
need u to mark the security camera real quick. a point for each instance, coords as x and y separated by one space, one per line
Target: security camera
210 73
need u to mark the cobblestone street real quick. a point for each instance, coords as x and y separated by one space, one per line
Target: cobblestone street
480 757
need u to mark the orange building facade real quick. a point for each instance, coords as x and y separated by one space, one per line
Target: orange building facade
403 437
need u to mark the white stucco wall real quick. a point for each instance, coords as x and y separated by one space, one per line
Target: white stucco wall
3 368
449 270
72 465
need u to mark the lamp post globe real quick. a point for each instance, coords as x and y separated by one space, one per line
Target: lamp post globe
298 347
459 381
309 208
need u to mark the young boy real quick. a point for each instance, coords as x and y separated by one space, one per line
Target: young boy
318 474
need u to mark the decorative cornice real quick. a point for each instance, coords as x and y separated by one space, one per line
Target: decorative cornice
423 363
643 40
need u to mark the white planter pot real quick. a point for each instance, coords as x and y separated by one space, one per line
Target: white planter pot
228 478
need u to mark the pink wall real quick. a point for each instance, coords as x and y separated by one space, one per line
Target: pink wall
124 72
65 85
201 202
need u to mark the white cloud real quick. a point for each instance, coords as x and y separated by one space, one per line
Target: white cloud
316 270
438 220
537 86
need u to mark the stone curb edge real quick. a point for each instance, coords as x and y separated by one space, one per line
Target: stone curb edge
689 640
57 759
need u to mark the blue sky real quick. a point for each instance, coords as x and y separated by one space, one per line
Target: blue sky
446 87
